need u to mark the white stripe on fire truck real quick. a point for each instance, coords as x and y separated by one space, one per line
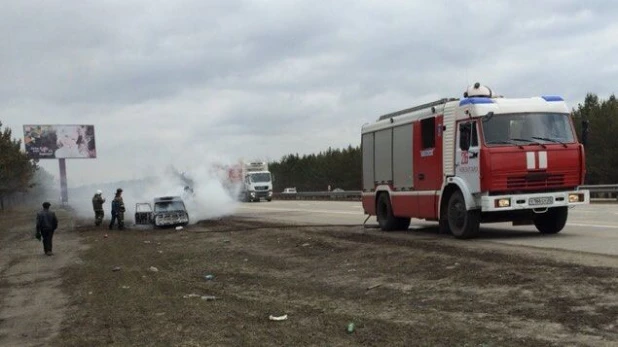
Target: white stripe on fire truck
542 160
530 161
417 192
405 193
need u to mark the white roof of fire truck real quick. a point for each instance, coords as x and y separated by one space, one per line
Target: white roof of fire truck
478 100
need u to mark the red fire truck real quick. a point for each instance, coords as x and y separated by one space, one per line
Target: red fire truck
479 159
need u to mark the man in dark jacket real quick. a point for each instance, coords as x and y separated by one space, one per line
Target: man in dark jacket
46 225
97 206
117 210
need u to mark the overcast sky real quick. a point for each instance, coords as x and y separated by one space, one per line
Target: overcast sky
183 81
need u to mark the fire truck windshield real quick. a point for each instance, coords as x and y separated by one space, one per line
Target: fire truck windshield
260 177
524 128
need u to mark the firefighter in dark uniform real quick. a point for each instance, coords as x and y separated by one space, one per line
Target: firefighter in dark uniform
97 206
118 210
46 225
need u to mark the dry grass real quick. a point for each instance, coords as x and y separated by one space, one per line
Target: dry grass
397 292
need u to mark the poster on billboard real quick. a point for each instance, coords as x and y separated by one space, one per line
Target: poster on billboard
59 141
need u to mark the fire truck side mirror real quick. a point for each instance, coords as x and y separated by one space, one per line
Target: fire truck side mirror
465 130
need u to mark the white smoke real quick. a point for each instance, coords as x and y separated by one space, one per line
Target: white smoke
211 198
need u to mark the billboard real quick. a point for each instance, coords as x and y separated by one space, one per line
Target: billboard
59 141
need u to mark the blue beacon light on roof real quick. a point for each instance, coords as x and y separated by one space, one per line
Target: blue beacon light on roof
475 100
552 98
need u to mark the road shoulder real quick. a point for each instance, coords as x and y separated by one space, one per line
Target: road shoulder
33 303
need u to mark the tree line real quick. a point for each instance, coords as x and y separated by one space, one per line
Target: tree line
339 168
601 143
16 168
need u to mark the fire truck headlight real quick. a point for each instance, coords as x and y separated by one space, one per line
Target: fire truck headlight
505 202
576 197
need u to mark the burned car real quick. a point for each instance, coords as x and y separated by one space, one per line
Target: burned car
168 211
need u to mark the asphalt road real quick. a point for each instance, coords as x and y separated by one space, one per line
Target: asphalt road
592 228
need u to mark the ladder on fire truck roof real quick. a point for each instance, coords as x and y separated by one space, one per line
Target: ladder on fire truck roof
416 108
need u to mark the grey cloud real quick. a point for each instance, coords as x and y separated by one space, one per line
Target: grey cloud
246 78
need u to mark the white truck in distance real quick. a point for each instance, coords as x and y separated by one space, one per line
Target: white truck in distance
257 182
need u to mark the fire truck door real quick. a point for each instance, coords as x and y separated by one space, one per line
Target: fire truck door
427 165
428 155
467 161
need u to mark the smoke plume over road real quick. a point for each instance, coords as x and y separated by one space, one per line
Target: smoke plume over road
209 199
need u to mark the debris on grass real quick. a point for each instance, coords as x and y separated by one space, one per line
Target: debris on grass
279 318
203 297
452 266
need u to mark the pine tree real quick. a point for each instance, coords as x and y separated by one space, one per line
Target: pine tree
601 158
16 169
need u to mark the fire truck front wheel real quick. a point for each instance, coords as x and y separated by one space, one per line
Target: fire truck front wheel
552 221
386 219
463 224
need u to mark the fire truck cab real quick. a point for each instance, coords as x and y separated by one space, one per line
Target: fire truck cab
479 159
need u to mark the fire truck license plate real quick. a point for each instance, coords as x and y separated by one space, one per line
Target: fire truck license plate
545 200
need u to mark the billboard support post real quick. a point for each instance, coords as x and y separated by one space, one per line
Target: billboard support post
63 181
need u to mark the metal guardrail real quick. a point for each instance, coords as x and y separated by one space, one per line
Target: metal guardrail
601 188
350 195
601 191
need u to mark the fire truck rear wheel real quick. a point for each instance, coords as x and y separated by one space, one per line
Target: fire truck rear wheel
386 219
552 221
462 223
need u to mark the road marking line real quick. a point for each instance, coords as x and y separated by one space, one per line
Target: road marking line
592 225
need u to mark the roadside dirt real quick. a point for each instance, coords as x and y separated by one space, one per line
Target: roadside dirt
397 290
33 303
